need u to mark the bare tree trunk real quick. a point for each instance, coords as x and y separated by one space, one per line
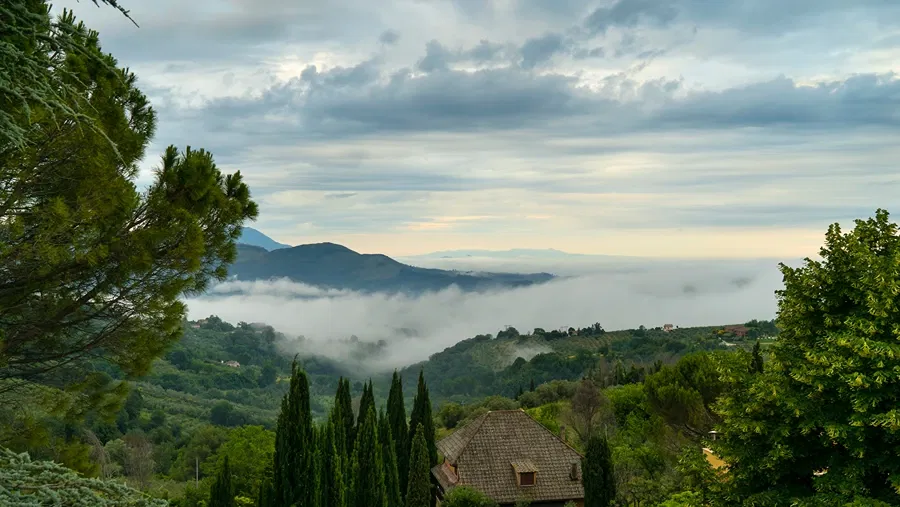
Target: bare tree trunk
139 459
99 454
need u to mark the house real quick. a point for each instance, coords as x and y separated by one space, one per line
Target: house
233 364
737 330
668 327
714 461
509 457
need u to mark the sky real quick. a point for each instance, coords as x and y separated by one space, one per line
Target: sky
664 128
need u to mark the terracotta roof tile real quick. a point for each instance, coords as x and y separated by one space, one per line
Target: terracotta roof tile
486 451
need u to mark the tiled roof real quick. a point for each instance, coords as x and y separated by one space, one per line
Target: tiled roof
487 451
523 466
445 475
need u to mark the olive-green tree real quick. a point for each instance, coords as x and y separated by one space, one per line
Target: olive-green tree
821 424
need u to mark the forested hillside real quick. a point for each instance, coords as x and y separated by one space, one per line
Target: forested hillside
192 401
332 266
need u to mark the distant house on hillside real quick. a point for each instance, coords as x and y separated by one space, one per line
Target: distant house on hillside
509 457
233 364
668 327
737 330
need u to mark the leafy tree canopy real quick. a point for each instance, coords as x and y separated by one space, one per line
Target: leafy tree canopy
829 398
91 266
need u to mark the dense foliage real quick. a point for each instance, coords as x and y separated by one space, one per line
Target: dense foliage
821 423
489 365
24 482
93 269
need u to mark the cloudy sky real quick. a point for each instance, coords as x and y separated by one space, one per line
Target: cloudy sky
726 128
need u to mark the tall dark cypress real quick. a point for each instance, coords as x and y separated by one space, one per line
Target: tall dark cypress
221 494
756 362
366 402
346 412
265 495
294 463
331 487
598 475
318 464
389 460
396 411
418 492
368 469
421 414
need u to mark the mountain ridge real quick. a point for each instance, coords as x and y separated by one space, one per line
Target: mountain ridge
333 266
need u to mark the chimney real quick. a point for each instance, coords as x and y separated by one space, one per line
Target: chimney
562 432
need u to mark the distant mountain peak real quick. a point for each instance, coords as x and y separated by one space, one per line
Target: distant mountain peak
253 237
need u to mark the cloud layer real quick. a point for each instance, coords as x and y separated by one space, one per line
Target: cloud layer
618 294
587 125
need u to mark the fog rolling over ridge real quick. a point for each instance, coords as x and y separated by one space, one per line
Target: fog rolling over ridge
651 293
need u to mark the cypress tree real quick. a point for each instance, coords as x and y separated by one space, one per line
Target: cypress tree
756 362
531 387
418 492
332 469
368 469
316 484
294 462
366 402
265 496
597 474
391 477
421 414
346 413
221 494
396 409
336 419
